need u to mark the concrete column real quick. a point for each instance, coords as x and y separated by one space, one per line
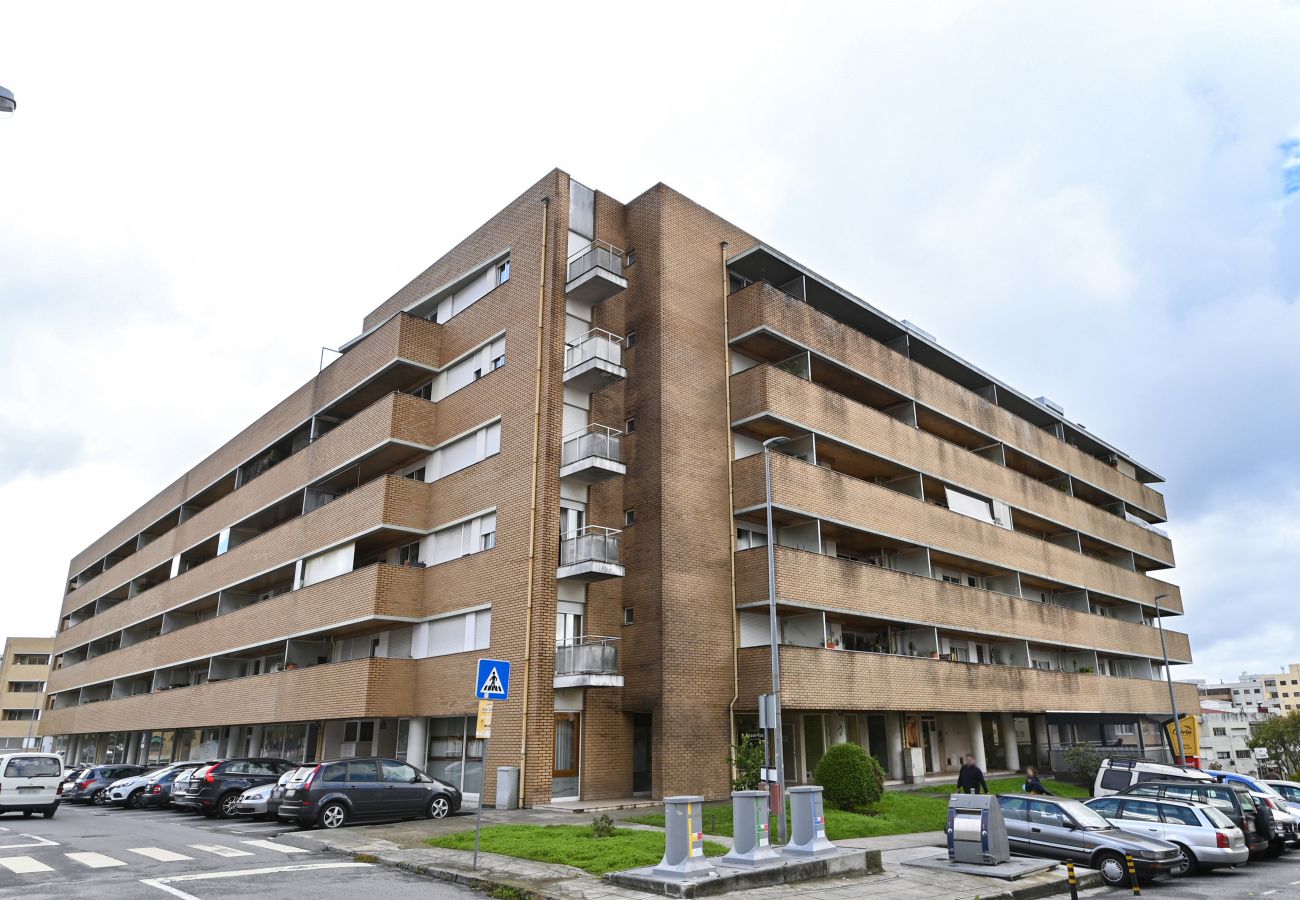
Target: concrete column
1038 732
255 740
74 744
132 747
975 725
232 738
894 739
417 741
1008 728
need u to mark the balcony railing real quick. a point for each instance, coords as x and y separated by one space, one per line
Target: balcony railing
587 656
595 344
598 441
590 544
596 255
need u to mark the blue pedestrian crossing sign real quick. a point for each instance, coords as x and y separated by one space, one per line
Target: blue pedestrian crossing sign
493 680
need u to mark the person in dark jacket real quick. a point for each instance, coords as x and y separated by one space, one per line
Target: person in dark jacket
1032 784
970 780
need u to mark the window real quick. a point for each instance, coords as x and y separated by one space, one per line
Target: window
397 773
747 539
459 633
33 767
629 516
1115 779
415 474
1046 814
471 368
359 731
630 259
1014 807
1220 732
503 272
463 452
1108 807
629 426
31 659
1179 815
628 617
1140 811
629 340
1224 754
488 540
363 772
424 391
464 538
21 715
1243 754
408 555
26 687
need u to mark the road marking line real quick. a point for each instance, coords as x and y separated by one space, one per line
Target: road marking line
94 860
158 853
165 884
220 850
20 865
36 841
271 845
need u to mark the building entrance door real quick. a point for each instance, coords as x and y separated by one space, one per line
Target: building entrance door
564 777
930 740
642 732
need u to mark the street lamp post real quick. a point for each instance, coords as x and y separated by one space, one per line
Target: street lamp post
778 748
1169 679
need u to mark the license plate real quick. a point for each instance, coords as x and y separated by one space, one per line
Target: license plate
29 790
290 792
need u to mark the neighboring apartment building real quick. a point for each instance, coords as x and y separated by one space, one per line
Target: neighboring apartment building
24 671
1225 733
547 448
1278 694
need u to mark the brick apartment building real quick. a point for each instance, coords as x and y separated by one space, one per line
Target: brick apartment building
547 448
24 669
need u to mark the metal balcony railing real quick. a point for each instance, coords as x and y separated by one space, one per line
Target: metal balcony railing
587 656
595 344
593 440
592 543
596 255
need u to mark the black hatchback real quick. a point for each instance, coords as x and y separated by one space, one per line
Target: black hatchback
217 792
344 790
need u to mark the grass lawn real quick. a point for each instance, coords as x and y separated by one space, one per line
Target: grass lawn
899 812
571 845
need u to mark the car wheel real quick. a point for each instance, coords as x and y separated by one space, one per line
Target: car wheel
1186 864
439 808
227 806
136 799
333 816
49 814
27 813
100 797
1112 868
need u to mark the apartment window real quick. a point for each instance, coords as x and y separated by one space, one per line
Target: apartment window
489 540
465 451
628 616
472 289
424 391
1224 754
464 538
630 259
1243 754
629 516
415 474
1220 732
26 687
629 426
629 340
498 362
503 272
21 715
31 659
459 633
408 555
747 539
951 579
471 368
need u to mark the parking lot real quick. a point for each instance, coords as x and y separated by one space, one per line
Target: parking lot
87 850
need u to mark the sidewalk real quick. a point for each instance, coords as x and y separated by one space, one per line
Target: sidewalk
402 846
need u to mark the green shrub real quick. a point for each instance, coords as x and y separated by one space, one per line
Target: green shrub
852 779
602 826
1083 761
747 760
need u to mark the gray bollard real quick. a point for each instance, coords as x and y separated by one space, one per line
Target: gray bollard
808 816
750 826
684 839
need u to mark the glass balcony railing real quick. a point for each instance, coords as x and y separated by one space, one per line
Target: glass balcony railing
598 441
596 255
587 656
590 544
595 344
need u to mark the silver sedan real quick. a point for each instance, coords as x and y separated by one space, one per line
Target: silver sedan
1205 837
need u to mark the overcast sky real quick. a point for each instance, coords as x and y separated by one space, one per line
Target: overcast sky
1090 202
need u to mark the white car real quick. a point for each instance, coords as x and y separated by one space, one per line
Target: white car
1284 818
31 783
129 791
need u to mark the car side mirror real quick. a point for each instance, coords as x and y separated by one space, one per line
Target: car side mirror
415 780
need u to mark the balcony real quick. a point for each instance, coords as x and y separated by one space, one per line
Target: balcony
587 662
595 273
593 361
590 554
591 455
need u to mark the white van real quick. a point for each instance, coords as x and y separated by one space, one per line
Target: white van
1117 774
29 783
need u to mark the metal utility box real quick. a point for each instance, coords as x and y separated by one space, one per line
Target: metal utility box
683 839
976 832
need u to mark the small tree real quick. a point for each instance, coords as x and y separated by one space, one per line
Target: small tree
747 761
850 777
1280 735
1083 762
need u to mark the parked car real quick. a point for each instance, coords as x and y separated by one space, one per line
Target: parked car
277 793
1288 789
339 791
185 788
129 791
1233 800
92 784
1118 774
262 801
30 783
158 790
1206 837
72 773
1061 828
216 791
1285 823
1261 787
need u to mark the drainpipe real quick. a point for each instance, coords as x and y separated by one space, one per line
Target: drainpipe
731 504
532 523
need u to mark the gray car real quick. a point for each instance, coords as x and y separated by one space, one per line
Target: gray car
1206 837
1060 828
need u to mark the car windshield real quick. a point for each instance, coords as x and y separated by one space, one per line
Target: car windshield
1217 818
1085 816
1271 792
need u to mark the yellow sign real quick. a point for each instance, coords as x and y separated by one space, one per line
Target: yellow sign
1191 731
484 727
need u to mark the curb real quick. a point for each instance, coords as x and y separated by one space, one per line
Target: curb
1087 880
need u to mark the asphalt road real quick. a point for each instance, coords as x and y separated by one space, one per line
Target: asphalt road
1273 878
88 851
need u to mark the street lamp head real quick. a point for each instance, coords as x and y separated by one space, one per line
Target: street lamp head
1160 597
7 103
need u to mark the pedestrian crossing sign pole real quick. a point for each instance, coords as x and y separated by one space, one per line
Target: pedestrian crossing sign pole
491 683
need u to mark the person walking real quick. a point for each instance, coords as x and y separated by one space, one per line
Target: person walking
970 780
1032 784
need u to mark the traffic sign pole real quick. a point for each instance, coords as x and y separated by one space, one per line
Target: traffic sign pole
491 683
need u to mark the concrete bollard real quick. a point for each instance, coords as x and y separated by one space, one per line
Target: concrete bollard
808 819
683 839
750 826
